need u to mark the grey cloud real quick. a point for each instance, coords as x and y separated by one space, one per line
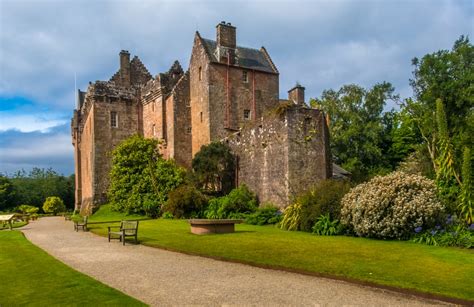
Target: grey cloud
322 44
35 149
45 42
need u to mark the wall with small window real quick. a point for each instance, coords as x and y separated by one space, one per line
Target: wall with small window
113 119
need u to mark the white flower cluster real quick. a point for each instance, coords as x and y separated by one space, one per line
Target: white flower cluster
391 206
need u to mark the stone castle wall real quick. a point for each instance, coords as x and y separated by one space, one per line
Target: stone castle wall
226 89
199 96
281 155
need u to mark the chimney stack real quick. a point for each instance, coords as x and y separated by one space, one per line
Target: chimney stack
226 35
125 68
296 94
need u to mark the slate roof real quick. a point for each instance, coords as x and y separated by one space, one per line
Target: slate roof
245 57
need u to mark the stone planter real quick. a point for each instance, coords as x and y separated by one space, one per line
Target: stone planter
209 226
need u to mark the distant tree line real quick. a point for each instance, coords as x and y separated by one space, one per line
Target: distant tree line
34 187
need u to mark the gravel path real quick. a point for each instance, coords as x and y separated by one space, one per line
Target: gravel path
159 277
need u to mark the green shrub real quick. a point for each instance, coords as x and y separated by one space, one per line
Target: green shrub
186 201
391 206
167 216
53 205
238 202
292 217
265 214
141 179
324 226
27 209
324 198
453 235
214 168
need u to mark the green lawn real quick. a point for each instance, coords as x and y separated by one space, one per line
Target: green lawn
438 270
28 275
14 225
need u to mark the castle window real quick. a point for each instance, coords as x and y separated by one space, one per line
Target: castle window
245 76
201 116
113 119
188 130
153 130
247 114
200 73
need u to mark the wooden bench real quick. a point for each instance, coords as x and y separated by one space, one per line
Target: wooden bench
82 224
208 226
127 229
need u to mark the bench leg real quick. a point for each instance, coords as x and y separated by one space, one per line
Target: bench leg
123 240
109 236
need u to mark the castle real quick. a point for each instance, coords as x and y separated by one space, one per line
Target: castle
229 93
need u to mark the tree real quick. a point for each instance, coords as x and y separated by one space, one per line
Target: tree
53 204
7 193
446 75
214 168
39 183
141 179
360 132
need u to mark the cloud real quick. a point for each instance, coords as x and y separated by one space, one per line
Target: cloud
29 122
45 42
20 150
321 44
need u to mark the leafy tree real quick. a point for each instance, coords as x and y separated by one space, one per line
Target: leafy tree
446 75
34 187
360 132
214 168
140 178
53 204
7 193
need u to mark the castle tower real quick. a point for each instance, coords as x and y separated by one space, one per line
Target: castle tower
230 85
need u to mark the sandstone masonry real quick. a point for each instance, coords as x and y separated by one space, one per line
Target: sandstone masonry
229 93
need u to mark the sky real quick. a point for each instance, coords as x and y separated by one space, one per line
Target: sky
48 48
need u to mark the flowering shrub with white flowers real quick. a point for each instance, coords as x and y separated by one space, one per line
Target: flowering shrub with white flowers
391 206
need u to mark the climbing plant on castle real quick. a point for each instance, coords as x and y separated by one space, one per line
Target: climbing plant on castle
141 179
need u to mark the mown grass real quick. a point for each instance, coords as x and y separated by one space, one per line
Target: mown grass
14 225
29 276
105 213
430 269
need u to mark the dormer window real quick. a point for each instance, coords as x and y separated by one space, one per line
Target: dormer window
245 76
113 119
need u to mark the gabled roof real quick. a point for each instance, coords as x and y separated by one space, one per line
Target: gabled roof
245 57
